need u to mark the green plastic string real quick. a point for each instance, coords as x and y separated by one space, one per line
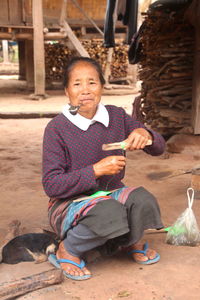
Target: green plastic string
100 193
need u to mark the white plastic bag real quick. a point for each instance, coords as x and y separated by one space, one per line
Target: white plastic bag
185 230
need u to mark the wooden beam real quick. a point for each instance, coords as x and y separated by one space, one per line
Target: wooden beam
196 86
38 47
74 40
17 36
55 35
63 11
69 32
29 36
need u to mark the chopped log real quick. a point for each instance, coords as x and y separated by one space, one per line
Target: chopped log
11 289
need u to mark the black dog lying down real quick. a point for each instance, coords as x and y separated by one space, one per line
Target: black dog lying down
29 247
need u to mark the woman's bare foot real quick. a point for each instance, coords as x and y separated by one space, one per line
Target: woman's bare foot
70 268
150 253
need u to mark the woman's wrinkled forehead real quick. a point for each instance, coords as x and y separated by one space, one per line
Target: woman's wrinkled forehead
78 66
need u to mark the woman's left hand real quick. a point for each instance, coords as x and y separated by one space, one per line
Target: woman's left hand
137 139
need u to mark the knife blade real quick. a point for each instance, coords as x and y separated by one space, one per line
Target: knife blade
119 145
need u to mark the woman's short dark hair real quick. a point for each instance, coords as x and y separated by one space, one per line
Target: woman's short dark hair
78 59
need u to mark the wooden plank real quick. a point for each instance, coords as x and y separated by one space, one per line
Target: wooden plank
38 47
4 12
87 17
17 26
15 11
196 86
95 9
74 40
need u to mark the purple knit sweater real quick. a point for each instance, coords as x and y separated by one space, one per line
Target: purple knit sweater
69 153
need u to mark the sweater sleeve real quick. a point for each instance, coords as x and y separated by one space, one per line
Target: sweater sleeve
57 180
158 145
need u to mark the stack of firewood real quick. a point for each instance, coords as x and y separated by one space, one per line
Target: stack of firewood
96 51
56 57
58 54
120 61
166 70
119 58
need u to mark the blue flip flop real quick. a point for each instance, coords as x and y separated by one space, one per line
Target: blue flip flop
144 251
56 262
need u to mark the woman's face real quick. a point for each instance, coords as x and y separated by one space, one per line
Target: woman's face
84 89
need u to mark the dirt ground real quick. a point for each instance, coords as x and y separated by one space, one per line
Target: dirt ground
175 277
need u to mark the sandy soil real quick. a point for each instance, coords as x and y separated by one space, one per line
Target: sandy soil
175 277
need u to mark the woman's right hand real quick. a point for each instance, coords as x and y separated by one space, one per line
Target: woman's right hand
109 165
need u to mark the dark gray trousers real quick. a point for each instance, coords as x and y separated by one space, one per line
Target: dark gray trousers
81 239
111 224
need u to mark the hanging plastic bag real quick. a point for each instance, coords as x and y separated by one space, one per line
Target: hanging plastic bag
185 230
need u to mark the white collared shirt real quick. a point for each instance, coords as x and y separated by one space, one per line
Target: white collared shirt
83 123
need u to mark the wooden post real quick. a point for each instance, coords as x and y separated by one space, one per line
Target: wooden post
38 48
5 51
22 61
196 85
29 64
